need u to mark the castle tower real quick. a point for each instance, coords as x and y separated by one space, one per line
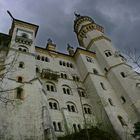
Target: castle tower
115 75
29 117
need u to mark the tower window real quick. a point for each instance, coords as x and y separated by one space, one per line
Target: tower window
20 79
110 101
38 57
123 123
19 93
102 85
87 109
95 71
71 107
21 64
42 58
53 104
59 126
123 99
108 53
75 128
54 126
123 74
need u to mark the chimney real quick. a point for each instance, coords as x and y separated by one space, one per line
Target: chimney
70 50
50 45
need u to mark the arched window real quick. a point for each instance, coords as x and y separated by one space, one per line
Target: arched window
66 89
75 128
102 85
60 62
59 126
46 59
81 92
19 49
53 104
71 66
64 64
38 57
108 53
95 71
123 99
63 75
110 101
87 109
123 74
51 86
71 107
23 48
79 127
21 65
42 58
68 65
37 69
19 94
54 126
20 79
123 123
75 78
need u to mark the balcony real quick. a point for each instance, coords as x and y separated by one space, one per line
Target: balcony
49 74
23 40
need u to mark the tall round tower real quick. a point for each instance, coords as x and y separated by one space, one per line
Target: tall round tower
116 71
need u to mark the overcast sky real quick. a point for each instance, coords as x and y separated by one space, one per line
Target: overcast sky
120 18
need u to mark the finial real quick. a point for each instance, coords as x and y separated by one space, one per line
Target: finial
49 40
10 14
76 14
69 46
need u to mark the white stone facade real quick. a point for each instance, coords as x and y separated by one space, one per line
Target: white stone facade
55 94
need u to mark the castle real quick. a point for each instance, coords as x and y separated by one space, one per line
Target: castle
46 93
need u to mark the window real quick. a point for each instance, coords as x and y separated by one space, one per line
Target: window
46 59
110 101
75 78
95 71
60 62
102 85
19 49
37 69
108 53
68 65
71 107
51 87
123 99
63 75
105 69
122 121
71 66
42 58
54 126
123 74
89 59
66 89
24 50
38 57
79 127
81 92
75 128
57 126
19 93
64 64
53 104
19 79
87 109
21 65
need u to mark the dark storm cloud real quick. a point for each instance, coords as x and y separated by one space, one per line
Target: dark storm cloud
120 18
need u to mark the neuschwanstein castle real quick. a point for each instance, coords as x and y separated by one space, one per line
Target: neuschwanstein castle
46 93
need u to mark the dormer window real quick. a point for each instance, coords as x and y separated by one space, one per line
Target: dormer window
108 53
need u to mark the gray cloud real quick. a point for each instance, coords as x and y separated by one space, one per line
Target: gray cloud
120 19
